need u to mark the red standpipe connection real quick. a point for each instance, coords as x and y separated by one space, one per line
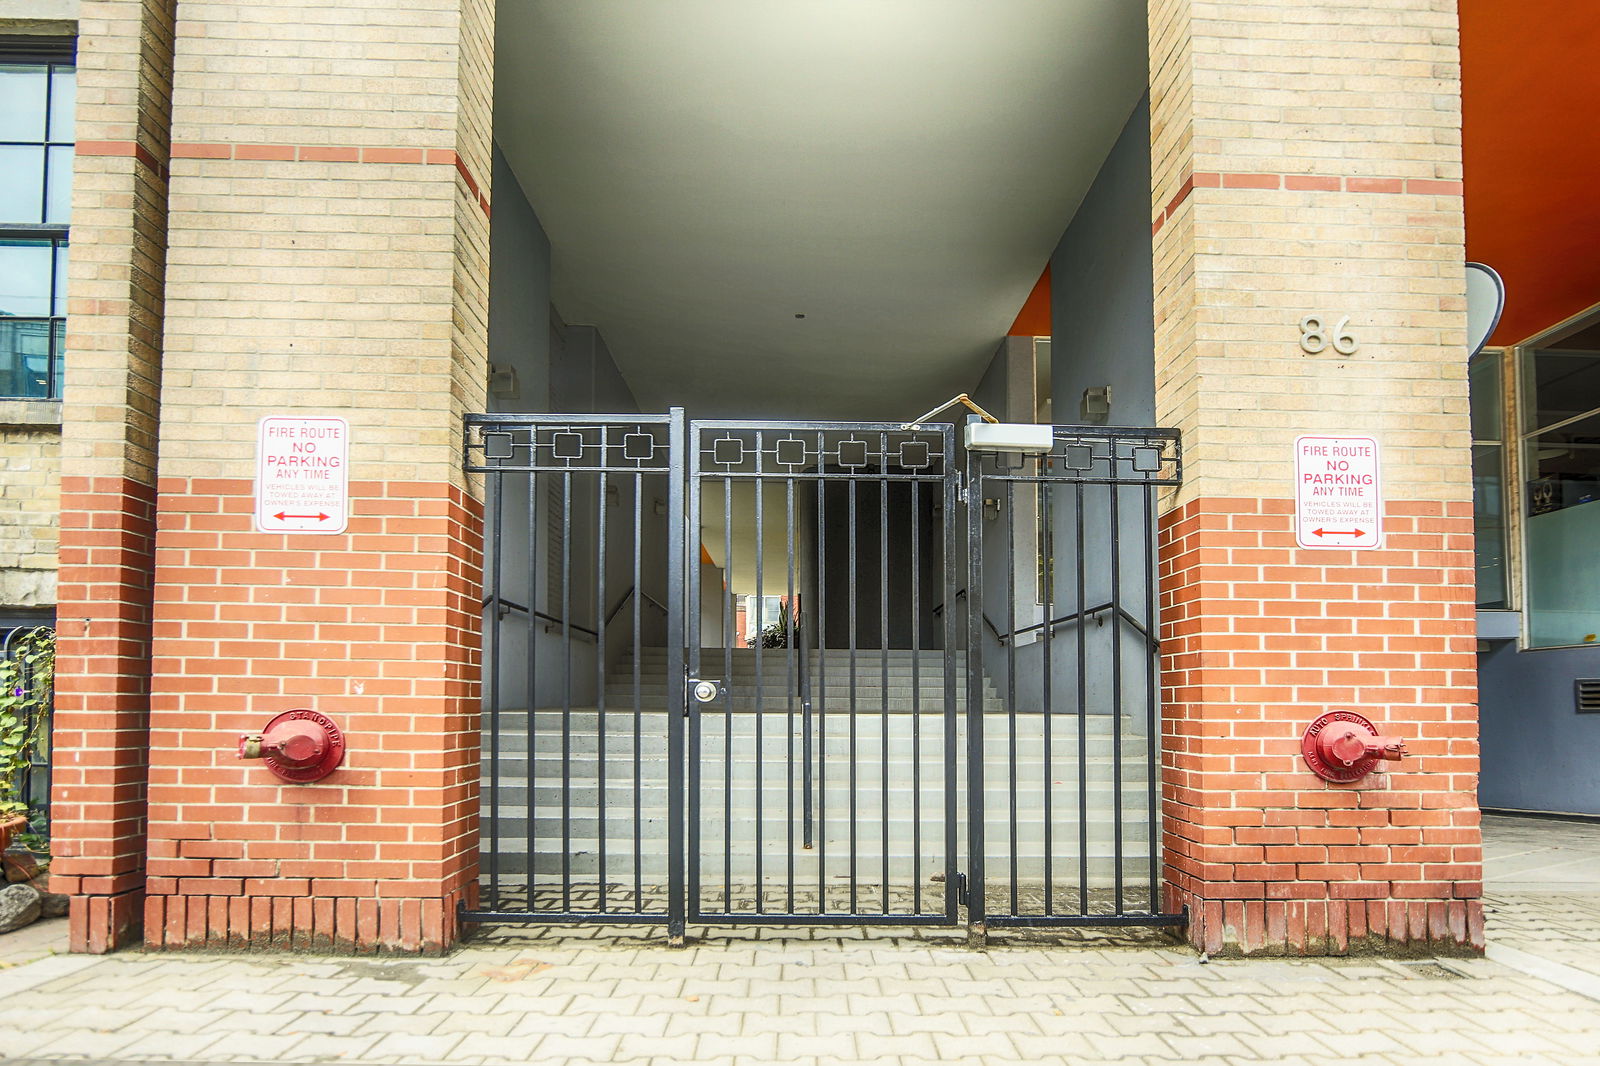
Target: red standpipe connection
300 746
1342 747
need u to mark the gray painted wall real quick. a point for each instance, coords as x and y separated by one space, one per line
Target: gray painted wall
1537 752
1102 289
519 293
1103 334
568 369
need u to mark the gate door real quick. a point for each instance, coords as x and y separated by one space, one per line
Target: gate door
1064 748
582 731
822 748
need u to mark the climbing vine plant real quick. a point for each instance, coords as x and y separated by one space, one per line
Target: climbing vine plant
27 689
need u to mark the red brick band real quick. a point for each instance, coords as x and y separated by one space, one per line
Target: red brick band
291 153
1301 183
124 148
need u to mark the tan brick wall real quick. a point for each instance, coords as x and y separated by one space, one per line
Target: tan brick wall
30 498
329 230
1309 166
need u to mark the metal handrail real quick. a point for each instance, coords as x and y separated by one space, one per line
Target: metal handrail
504 605
961 595
1056 623
643 595
1088 612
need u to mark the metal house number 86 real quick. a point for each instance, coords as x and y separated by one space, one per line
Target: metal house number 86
1315 337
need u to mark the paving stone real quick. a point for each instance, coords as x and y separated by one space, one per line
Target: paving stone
742 1000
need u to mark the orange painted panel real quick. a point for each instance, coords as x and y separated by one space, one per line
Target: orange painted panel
1034 318
1530 94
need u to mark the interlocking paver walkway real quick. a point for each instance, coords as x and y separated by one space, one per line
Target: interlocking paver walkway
805 996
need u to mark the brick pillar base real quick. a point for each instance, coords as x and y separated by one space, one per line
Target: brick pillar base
1260 637
376 628
102 708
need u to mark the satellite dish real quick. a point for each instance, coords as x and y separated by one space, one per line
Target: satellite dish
1486 298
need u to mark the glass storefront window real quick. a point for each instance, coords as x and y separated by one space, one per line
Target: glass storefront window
1488 482
1561 480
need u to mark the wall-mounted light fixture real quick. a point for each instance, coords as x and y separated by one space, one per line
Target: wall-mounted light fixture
1096 403
503 382
991 509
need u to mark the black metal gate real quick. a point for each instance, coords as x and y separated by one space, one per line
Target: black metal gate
732 674
1067 764
822 746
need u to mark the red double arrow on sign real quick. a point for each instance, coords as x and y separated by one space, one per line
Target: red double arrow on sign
280 516
1326 532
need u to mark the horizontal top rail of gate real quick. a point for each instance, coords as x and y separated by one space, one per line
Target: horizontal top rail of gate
1098 455
883 451
539 443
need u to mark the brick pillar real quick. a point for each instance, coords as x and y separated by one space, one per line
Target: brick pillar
1312 167
113 374
329 231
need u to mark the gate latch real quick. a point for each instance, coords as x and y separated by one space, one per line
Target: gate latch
704 690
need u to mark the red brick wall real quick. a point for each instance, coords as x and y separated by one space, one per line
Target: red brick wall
376 628
102 706
1261 636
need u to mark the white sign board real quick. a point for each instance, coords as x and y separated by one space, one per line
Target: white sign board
302 475
1338 498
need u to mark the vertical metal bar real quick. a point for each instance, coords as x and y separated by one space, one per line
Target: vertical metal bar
677 690
822 675
916 696
883 649
1083 713
532 725
566 691
761 635
977 904
791 629
1011 679
638 707
495 490
806 746
1114 496
693 707
1152 626
600 671
853 545
728 637
948 517
1046 578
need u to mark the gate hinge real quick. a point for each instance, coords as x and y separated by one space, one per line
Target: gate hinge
961 890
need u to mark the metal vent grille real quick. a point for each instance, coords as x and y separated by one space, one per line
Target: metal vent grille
1586 691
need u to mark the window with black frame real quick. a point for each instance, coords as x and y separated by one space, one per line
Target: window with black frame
38 91
1561 473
